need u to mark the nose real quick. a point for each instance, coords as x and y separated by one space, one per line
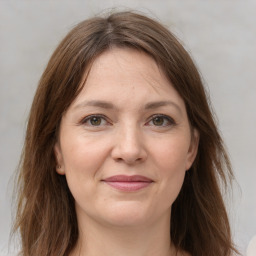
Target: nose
129 146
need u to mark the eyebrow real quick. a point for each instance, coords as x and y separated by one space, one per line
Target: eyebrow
109 105
95 103
158 104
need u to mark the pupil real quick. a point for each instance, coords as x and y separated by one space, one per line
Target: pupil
95 120
158 121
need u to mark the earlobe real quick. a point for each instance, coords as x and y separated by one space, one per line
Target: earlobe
59 159
192 152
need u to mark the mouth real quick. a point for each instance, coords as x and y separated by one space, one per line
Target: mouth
128 183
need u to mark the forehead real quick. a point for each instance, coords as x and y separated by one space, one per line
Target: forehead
121 72
126 63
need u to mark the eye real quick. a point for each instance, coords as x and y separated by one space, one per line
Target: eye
161 121
94 120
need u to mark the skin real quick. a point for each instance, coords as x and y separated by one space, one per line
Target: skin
128 135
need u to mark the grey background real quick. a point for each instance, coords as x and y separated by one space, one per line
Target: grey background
221 35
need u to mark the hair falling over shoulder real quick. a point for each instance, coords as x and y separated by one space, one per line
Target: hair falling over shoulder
46 217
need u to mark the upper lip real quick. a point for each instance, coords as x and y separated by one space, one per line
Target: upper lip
126 178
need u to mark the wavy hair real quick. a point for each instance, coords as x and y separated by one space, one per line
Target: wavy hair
46 217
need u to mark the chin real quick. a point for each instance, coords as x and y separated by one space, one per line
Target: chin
127 215
125 220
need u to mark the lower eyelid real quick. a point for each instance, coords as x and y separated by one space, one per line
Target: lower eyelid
85 120
169 119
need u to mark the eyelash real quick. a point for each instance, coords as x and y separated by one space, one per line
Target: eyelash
170 121
88 118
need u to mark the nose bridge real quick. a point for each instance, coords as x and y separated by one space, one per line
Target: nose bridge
129 145
130 134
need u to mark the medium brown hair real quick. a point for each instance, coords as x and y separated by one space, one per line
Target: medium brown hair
46 217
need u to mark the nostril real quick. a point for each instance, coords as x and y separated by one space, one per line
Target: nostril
119 159
129 161
128 149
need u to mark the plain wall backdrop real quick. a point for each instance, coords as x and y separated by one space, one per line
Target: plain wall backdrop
220 35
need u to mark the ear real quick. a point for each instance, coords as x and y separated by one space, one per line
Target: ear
59 159
193 148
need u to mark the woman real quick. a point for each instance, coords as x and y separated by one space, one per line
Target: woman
122 155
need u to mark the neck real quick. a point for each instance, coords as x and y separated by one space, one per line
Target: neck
148 240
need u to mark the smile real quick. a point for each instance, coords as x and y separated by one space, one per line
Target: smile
128 183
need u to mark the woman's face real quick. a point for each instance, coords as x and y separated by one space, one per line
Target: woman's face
125 142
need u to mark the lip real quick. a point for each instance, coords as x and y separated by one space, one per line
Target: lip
128 183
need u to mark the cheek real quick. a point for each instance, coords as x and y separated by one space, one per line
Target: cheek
171 156
83 159
170 159
83 155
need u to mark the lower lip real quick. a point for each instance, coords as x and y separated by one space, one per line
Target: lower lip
128 186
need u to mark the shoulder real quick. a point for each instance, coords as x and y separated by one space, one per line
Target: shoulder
251 249
10 254
182 253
